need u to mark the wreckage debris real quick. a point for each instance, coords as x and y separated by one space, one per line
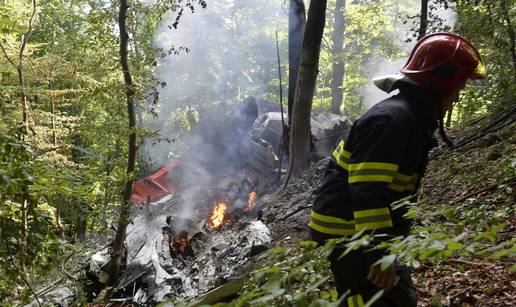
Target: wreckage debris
201 225
178 258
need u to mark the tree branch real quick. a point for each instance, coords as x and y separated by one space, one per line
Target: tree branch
25 281
489 187
29 31
327 44
7 56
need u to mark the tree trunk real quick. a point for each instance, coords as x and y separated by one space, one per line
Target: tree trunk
299 145
338 56
449 117
510 33
423 19
21 77
23 98
125 210
23 244
296 29
59 222
19 68
53 105
80 229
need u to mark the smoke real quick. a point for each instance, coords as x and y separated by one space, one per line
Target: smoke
218 56
213 58
442 17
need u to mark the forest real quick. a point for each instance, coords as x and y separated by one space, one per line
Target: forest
120 120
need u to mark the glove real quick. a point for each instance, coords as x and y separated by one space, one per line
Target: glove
382 279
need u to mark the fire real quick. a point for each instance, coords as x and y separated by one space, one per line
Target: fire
178 244
217 214
251 202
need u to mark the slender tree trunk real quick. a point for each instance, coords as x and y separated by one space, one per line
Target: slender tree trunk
23 98
21 77
19 67
25 120
81 225
299 145
23 243
510 33
59 223
125 210
338 56
449 117
423 19
296 29
53 105
138 59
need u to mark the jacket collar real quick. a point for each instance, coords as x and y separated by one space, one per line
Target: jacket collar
425 106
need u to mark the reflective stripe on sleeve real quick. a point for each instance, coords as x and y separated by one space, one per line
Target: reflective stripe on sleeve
341 155
356 301
382 172
331 225
372 172
403 182
373 218
373 165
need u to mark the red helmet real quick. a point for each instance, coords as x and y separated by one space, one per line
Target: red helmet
440 52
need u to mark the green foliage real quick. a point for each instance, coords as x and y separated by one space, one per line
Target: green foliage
68 169
72 159
476 229
295 277
14 12
27 239
483 23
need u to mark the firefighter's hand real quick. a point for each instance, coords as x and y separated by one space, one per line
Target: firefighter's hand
382 279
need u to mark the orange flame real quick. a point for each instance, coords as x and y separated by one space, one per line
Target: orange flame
217 214
178 243
251 202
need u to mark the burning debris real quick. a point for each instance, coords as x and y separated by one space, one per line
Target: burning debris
251 202
218 216
201 226
172 256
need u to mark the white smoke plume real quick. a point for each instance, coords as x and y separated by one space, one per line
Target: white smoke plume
214 58
441 18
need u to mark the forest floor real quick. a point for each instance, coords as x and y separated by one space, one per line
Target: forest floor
468 195
468 192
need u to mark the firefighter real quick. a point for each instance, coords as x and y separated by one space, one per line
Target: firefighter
382 160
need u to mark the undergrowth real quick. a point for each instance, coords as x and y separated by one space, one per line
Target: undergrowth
465 213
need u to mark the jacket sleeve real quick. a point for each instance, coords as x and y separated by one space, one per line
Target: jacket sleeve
378 148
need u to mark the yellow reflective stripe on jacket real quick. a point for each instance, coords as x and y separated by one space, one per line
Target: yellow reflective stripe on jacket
331 225
374 165
373 218
356 301
381 172
404 182
330 219
330 230
372 172
341 155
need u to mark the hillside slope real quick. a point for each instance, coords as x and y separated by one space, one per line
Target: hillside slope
462 247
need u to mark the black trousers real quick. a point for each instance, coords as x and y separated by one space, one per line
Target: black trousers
350 273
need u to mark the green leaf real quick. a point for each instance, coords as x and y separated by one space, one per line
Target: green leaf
268 297
386 261
373 299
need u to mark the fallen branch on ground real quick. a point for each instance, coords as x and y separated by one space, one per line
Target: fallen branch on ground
494 185
295 211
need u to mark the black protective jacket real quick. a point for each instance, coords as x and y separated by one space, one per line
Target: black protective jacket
381 160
